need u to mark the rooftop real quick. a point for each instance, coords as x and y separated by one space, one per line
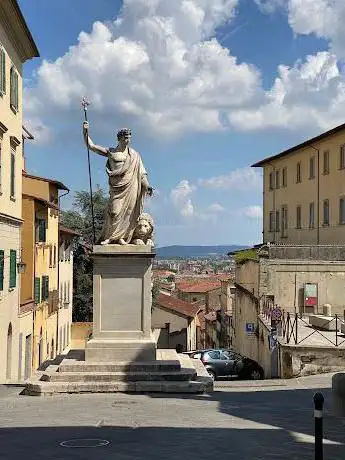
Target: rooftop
304 144
58 184
64 229
198 286
177 305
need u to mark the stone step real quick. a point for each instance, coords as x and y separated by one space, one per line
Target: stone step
183 375
40 388
150 366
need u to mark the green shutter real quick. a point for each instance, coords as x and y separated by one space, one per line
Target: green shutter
2 72
2 257
43 286
11 86
41 230
13 268
37 290
16 98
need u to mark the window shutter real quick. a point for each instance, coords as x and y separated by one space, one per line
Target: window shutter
2 270
37 290
2 72
13 174
13 268
43 286
41 230
16 98
11 87
46 281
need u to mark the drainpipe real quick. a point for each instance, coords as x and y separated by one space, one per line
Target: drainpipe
317 196
58 277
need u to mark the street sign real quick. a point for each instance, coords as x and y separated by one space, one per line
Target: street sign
250 328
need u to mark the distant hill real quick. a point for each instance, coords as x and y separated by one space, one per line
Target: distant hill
196 251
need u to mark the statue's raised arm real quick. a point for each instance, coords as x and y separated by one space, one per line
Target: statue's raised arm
95 148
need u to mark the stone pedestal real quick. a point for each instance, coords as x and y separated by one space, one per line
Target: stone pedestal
121 305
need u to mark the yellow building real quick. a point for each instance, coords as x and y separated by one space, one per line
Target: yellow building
40 282
304 192
16 47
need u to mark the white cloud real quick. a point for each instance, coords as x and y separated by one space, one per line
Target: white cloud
180 197
269 6
158 65
253 212
311 94
216 207
239 179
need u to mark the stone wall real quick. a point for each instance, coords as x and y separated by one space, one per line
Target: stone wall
297 361
307 252
285 279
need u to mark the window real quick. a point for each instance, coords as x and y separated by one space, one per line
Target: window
284 178
311 215
68 291
277 221
45 287
278 179
2 72
342 211
13 268
284 219
299 217
37 294
271 181
312 168
2 258
13 173
298 173
54 256
41 230
326 162
14 89
50 255
213 354
271 221
325 212
342 157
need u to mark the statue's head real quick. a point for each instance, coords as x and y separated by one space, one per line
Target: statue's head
124 136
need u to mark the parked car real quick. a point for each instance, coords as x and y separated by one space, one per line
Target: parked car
226 363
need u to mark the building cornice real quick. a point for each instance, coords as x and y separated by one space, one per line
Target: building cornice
8 218
17 30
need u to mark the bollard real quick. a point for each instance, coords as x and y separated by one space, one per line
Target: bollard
318 416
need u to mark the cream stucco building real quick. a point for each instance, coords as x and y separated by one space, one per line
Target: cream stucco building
16 47
304 192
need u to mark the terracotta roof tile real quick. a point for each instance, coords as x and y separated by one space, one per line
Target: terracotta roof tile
180 306
199 286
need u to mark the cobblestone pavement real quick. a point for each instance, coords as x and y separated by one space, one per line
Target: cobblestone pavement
238 421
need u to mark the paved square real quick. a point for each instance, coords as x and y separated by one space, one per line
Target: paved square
269 420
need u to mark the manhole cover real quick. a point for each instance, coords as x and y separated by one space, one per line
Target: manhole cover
84 443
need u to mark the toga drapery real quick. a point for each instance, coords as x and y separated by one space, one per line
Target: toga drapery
126 196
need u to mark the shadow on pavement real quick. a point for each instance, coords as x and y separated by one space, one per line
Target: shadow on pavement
159 443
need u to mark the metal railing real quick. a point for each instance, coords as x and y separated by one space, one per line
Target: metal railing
288 325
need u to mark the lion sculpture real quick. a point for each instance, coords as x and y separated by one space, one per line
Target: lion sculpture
143 233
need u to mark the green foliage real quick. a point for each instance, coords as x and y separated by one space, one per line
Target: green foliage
241 257
80 220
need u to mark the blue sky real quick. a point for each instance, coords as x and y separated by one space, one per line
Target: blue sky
207 86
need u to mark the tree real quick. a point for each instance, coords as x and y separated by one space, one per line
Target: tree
80 220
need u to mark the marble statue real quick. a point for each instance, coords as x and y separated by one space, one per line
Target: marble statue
143 233
128 185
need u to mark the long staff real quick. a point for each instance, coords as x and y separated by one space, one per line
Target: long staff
85 104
